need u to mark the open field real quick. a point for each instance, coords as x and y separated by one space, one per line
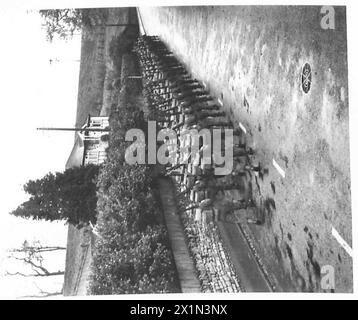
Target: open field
97 67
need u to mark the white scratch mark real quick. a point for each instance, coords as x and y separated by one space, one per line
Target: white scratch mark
220 102
242 127
278 168
341 241
204 84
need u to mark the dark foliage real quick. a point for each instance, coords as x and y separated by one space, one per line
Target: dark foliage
65 22
68 195
132 253
122 44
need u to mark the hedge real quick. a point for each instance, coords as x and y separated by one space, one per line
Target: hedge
132 253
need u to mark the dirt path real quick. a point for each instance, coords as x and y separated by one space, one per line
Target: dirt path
189 282
251 58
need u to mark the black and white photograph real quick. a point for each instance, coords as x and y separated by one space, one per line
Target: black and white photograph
176 149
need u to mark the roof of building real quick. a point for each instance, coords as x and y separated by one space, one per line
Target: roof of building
76 155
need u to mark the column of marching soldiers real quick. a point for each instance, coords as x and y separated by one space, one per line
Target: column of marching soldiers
181 103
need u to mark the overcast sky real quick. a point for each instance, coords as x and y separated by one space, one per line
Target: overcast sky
34 93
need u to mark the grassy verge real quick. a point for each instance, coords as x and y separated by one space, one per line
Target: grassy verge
132 253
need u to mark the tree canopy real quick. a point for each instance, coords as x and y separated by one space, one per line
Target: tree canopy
65 22
69 195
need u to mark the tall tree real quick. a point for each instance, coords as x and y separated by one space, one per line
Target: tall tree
65 22
69 195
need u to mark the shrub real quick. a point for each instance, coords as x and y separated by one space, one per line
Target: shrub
122 44
138 262
132 253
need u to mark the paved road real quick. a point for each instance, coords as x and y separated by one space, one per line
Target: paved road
246 266
252 59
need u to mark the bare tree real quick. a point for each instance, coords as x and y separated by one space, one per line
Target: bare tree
31 255
43 294
37 247
64 23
